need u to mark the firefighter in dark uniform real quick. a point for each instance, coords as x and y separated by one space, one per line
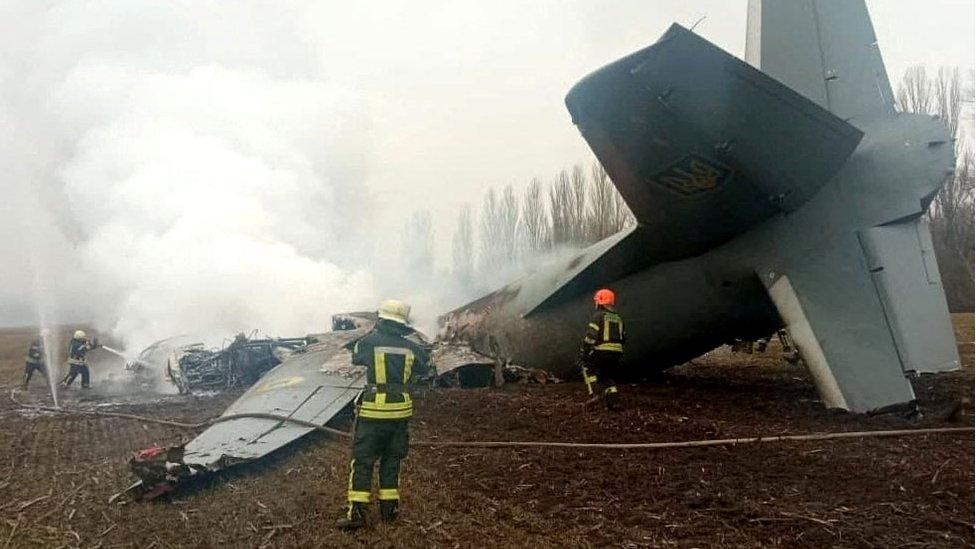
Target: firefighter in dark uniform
35 361
602 348
394 355
78 361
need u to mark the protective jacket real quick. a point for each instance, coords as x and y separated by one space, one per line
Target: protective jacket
604 333
35 354
394 356
77 350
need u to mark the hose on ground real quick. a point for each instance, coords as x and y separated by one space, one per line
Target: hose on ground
515 444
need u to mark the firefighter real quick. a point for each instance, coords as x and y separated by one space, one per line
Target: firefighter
393 355
35 361
602 347
77 360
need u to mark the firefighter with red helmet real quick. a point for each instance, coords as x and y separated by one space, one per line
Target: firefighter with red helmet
602 348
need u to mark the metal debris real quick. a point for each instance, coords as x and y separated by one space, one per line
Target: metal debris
239 364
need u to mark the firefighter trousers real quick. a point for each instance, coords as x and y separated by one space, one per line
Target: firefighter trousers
30 368
73 371
385 440
600 372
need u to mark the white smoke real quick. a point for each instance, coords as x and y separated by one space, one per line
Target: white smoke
206 171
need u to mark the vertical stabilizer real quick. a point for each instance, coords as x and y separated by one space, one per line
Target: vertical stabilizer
823 49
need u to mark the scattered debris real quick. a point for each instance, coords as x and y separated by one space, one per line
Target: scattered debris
239 364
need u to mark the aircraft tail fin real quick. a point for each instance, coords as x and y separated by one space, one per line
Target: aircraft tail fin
824 49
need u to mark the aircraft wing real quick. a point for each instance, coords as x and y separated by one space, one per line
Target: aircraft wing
823 49
312 386
703 146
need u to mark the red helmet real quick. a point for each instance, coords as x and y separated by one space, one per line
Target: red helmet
604 297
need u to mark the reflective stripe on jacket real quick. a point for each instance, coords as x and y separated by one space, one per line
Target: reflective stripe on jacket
392 361
605 332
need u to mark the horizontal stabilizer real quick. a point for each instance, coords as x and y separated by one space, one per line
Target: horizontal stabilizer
826 297
703 146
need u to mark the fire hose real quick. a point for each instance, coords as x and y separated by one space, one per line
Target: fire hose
515 444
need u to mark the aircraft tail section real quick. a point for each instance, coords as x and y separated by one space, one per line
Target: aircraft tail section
824 49
702 146
827 299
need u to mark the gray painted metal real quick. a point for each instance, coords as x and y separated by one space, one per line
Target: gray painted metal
740 234
311 386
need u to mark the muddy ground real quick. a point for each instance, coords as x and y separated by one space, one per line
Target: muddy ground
57 472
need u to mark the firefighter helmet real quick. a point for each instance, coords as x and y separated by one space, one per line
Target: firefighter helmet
394 310
604 297
79 334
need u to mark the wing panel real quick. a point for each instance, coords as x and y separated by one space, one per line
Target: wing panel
313 386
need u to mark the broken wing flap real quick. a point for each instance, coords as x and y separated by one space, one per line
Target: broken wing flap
701 145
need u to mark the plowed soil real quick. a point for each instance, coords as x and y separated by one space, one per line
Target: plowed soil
57 472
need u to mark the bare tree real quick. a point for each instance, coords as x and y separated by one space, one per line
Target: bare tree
577 206
915 91
509 220
607 213
490 234
534 229
462 249
560 198
418 246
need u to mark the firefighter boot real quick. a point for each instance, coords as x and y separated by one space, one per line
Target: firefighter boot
355 517
611 399
389 510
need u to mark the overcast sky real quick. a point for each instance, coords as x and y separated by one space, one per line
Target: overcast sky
163 158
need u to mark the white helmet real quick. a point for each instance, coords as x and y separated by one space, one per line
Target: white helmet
394 310
79 334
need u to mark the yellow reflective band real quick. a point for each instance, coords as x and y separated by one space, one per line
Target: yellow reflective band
588 380
595 326
381 404
615 347
407 366
356 496
352 469
589 340
387 494
377 414
379 365
611 389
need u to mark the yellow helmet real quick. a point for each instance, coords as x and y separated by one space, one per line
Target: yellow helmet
79 334
394 310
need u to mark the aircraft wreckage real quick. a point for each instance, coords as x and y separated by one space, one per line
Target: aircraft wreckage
781 191
312 384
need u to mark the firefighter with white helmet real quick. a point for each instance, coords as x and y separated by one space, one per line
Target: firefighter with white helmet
394 356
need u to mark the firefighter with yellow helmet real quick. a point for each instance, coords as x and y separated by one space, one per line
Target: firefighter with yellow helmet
78 359
394 355
602 348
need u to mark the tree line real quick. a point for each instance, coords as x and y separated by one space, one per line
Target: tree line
515 229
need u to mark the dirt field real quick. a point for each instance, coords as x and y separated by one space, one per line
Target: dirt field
57 472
